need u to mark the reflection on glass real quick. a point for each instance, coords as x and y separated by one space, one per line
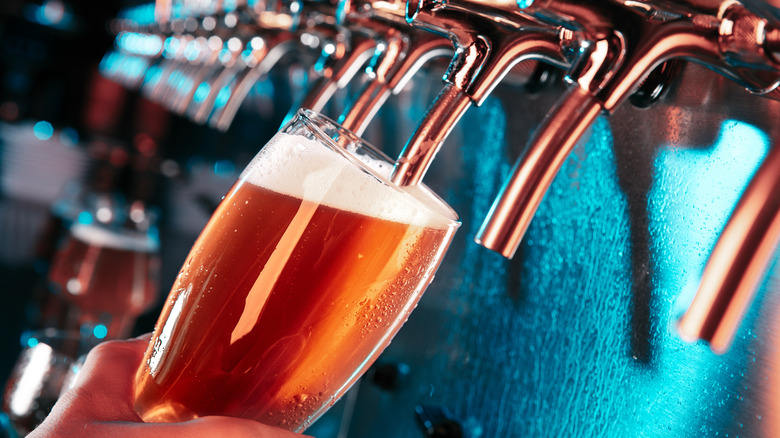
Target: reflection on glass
40 373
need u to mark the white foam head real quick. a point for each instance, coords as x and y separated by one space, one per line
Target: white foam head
296 166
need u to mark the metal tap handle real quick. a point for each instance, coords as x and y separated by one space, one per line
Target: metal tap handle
207 64
519 199
341 60
425 142
615 65
276 45
405 52
490 38
199 111
737 265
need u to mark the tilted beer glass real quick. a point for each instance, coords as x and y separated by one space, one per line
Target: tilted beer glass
304 273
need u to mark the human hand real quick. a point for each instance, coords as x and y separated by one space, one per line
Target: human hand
100 404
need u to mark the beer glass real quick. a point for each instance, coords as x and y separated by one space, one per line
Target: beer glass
304 273
109 269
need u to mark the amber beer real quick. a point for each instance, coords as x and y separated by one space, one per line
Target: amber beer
107 272
301 278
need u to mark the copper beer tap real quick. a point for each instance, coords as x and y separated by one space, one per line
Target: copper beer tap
180 21
261 36
267 48
748 243
405 50
737 265
639 38
489 38
628 43
345 51
271 29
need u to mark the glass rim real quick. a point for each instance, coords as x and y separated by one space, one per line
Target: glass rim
311 118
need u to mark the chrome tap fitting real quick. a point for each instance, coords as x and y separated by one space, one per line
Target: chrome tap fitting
739 261
629 40
625 47
345 51
404 51
489 39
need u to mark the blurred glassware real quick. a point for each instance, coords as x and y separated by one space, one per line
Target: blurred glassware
37 379
108 267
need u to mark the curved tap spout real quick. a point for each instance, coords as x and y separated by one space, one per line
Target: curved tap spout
271 48
265 29
206 64
257 37
737 265
405 51
611 70
342 58
173 58
489 38
217 79
513 210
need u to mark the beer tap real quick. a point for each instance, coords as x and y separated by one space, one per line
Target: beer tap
271 30
744 250
215 78
138 43
196 51
737 265
405 50
188 45
345 50
246 46
204 46
207 60
489 38
627 41
173 21
201 56
134 51
266 48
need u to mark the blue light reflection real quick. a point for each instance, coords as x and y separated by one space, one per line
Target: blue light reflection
223 96
43 130
202 92
100 331
693 195
85 218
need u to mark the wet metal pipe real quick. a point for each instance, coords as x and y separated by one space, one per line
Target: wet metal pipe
489 38
737 265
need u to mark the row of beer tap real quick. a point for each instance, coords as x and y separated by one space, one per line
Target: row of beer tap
200 58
